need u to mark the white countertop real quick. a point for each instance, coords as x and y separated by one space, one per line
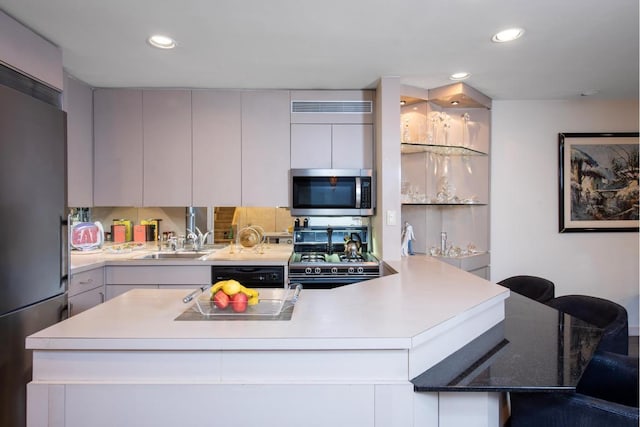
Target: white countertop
270 254
392 312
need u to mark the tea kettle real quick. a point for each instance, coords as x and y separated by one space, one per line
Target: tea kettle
352 245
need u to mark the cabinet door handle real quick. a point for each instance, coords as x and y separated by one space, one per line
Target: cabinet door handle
101 297
86 282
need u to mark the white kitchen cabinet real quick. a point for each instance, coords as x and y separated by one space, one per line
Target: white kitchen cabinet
332 129
265 147
217 156
121 279
311 146
86 290
86 300
118 148
166 118
352 147
78 103
86 280
338 146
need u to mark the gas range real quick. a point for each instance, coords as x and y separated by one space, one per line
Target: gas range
319 259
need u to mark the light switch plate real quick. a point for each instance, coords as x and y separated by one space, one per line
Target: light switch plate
391 218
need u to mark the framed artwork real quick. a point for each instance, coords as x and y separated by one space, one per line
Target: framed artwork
598 182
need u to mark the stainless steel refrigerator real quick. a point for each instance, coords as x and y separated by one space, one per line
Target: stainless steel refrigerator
33 230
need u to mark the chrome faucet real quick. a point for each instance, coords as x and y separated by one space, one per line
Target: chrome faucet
197 238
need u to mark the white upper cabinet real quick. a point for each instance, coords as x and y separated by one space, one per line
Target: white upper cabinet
332 129
117 147
217 161
310 146
191 148
325 146
265 148
78 103
167 147
352 146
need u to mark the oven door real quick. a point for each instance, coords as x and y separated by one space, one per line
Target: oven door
326 282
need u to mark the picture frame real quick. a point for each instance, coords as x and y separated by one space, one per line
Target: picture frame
598 182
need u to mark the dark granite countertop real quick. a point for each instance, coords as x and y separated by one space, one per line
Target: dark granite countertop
536 348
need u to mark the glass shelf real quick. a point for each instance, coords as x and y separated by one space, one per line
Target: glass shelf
444 150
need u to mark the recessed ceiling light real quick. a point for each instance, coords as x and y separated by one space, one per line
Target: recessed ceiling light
455 102
403 102
507 35
161 42
459 76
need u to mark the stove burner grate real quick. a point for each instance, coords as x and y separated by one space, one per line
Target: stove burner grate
312 257
349 258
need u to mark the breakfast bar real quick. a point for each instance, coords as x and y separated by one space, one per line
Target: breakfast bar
346 357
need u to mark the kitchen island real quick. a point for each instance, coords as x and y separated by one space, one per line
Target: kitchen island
345 358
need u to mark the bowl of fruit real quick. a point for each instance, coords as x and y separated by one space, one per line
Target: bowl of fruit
231 298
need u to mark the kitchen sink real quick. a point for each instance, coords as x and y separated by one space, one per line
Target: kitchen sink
175 255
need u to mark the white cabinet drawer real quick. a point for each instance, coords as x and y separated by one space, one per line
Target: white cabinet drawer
86 280
159 275
85 300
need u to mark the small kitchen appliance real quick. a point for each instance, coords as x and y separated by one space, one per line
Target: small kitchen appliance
328 257
332 192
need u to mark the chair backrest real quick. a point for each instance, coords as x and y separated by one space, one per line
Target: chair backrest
605 314
536 288
612 377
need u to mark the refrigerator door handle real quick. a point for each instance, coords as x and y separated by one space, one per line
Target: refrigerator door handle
64 312
65 256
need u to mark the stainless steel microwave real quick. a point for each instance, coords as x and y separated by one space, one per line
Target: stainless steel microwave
332 192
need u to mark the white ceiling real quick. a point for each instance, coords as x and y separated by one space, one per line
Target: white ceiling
570 46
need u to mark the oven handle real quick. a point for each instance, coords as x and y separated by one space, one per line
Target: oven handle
358 192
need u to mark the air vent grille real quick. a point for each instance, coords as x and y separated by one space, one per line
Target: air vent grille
345 107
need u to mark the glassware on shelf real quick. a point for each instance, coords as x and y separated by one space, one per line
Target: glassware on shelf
405 187
432 136
466 142
445 121
422 131
446 189
450 250
467 164
406 133
411 194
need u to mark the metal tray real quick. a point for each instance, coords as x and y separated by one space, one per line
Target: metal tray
270 303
